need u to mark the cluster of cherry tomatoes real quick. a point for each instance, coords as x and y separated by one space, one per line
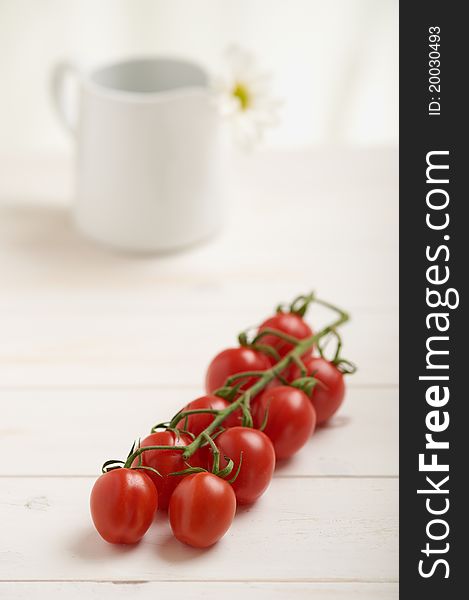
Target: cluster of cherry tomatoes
200 470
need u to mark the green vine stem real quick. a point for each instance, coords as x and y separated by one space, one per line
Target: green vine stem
243 375
270 351
299 306
194 411
283 336
142 449
345 366
264 377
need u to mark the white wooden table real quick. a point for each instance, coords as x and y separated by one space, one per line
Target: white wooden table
96 346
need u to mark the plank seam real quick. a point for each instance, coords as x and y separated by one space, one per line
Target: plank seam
155 386
141 581
93 476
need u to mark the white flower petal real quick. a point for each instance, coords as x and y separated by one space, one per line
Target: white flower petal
248 119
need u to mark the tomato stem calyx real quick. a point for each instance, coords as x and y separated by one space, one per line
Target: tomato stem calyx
306 384
345 366
299 306
243 339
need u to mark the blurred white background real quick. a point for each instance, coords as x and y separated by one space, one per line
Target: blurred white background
334 63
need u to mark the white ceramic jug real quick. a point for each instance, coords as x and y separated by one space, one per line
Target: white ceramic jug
148 153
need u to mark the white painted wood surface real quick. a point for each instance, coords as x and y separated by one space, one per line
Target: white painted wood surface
305 529
369 414
227 590
95 346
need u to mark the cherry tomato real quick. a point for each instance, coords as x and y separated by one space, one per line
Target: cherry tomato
257 465
291 418
196 423
233 361
123 503
166 462
288 323
329 393
202 509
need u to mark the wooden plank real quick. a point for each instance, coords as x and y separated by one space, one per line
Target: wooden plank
197 591
337 234
94 425
162 348
301 530
75 276
340 193
42 254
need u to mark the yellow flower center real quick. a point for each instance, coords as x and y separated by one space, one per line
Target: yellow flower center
241 92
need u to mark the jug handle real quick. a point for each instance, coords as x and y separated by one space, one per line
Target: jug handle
62 73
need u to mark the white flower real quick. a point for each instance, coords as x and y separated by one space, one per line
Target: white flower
242 96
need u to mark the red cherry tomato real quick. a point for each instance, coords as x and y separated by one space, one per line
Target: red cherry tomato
288 323
166 462
258 461
123 503
202 509
196 423
233 361
329 393
291 418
